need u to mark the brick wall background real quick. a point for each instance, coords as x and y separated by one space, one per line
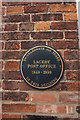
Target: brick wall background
24 26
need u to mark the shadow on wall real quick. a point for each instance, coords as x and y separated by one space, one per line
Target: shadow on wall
33 117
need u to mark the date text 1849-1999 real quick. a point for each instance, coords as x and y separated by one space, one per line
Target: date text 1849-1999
42 67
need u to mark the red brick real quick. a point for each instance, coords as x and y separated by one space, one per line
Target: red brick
3 10
8 117
2 74
61 53
15 96
47 2
70 16
14 10
42 26
12 54
79 54
67 86
12 75
0 54
12 65
1 45
18 108
43 97
79 65
63 25
29 44
64 44
26 27
36 9
46 17
68 97
71 65
1 65
15 3
47 35
16 18
0 84
12 45
62 8
10 85
71 35
72 75
24 86
15 36
11 27
2 29
71 55
53 109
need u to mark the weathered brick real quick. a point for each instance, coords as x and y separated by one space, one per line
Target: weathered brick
46 17
8 117
24 87
14 10
26 27
15 3
15 36
29 44
10 85
15 96
71 65
36 9
16 18
63 25
2 74
46 2
71 35
53 109
72 75
67 86
71 55
64 44
42 97
3 10
68 97
0 84
79 54
79 65
12 75
12 65
11 27
62 8
0 54
1 65
12 45
12 54
70 16
18 108
1 45
42 26
47 35
2 29
61 53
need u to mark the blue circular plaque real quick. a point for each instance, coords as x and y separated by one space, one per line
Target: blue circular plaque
42 67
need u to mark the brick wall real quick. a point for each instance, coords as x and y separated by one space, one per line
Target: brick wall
24 26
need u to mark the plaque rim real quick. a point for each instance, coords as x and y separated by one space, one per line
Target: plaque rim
60 76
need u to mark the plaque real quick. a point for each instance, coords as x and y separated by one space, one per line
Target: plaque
42 67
